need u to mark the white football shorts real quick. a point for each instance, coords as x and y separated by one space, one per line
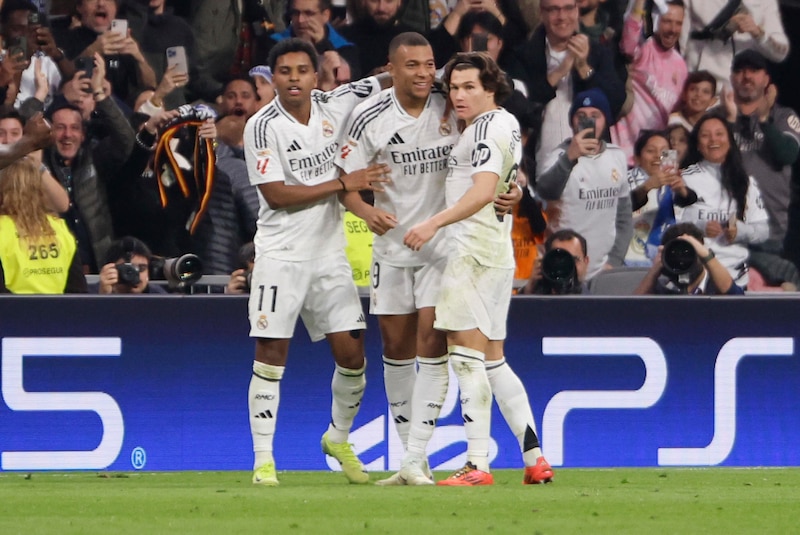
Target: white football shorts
321 291
404 290
474 296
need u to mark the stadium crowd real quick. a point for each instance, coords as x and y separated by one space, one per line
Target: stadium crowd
126 101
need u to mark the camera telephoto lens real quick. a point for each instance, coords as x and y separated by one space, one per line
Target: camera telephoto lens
559 272
678 257
179 272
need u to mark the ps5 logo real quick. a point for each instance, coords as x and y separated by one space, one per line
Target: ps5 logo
14 353
655 381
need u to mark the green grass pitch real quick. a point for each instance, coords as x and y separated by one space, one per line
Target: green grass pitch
586 501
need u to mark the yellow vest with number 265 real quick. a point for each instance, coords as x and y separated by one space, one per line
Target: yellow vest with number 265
41 267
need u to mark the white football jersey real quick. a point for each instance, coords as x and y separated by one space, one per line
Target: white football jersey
714 204
588 204
416 149
490 144
280 149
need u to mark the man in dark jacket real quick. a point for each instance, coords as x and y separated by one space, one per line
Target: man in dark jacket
85 163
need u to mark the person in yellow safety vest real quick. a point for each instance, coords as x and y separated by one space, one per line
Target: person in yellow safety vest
37 250
359 248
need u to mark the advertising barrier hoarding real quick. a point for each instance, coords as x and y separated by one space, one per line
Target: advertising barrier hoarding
160 383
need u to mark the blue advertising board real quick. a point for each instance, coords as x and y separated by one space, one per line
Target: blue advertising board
160 383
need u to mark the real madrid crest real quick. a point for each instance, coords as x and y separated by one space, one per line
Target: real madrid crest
445 129
615 175
262 322
327 129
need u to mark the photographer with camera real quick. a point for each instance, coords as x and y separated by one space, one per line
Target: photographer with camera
239 282
127 269
562 269
684 265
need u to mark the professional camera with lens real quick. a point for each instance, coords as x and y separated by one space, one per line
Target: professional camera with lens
179 272
559 274
128 274
680 263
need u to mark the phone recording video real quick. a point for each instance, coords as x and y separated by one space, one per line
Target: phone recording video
480 42
18 46
587 122
669 159
85 64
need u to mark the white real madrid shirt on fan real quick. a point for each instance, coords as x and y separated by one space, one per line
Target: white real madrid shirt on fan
416 149
278 148
588 204
490 144
714 204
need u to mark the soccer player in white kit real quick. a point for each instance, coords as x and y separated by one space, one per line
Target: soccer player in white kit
300 265
478 279
410 129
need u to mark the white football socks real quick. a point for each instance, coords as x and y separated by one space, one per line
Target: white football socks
399 377
263 398
347 387
513 401
476 402
430 390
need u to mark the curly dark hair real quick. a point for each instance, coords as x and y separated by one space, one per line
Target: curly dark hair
491 76
293 44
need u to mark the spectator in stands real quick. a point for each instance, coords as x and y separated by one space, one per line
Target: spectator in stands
35 135
768 136
556 63
373 33
310 21
133 196
233 206
507 12
697 97
153 101
602 23
163 30
583 182
755 24
706 275
217 26
126 67
11 128
552 281
127 269
83 163
656 185
38 254
657 73
49 61
678 137
237 103
729 209
480 26
262 76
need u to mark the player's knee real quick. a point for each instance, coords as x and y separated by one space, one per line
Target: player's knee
431 343
273 352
